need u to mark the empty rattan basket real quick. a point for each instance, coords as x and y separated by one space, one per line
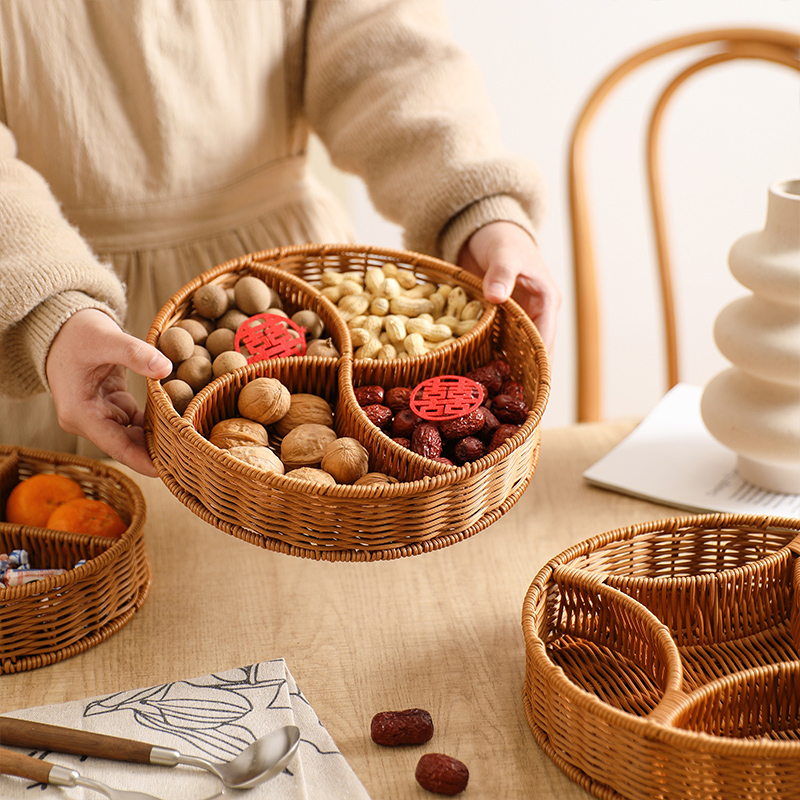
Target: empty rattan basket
431 506
57 617
662 660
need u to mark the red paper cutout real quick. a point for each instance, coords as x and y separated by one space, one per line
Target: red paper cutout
445 397
267 336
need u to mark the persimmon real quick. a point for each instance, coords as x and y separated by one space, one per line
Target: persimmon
85 515
32 501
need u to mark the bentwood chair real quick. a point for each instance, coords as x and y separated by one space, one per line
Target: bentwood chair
712 47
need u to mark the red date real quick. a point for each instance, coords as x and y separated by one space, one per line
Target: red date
392 728
462 426
441 774
378 415
469 449
426 440
404 423
397 398
509 410
368 395
500 435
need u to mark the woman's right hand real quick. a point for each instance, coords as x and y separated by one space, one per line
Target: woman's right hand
86 371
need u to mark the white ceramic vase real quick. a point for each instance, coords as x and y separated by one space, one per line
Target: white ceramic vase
753 407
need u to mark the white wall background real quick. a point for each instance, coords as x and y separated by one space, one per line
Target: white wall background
731 132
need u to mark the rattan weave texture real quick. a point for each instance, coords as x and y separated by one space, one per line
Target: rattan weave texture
662 660
431 507
55 618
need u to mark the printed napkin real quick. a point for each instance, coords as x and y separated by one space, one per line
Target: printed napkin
214 717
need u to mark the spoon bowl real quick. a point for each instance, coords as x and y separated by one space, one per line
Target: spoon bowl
259 762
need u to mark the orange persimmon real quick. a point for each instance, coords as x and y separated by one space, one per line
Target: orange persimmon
32 501
85 515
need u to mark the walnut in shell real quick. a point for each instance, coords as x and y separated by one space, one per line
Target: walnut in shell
346 459
261 457
238 432
305 445
312 475
302 409
265 400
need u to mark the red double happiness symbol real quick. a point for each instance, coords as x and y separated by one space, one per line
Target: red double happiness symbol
266 336
445 397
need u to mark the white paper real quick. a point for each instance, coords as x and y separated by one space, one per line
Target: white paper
671 458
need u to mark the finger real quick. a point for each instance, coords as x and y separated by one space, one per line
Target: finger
136 355
125 445
499 280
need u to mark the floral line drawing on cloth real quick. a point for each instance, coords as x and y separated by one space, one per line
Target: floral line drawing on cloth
215 716
207 713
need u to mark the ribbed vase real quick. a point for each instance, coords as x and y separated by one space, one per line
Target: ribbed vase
753 407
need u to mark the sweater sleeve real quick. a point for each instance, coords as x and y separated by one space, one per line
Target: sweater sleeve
47 273
398 103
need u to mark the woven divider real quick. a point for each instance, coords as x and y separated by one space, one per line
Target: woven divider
608 704
431 506
49 620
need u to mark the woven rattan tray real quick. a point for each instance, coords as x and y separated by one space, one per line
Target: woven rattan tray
55 618
432 506
662 660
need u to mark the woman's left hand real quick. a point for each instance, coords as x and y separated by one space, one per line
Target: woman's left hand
511 265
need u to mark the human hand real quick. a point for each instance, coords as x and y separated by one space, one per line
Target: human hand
86 372
511 265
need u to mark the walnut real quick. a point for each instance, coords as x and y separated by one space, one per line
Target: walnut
312 475
261 457
304 408
238 432
265 400
372 478
346 459
305 445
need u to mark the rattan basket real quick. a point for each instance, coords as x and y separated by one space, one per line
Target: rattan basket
432 506
662 660
55 618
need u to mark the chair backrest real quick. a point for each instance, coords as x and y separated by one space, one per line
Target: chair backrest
713 47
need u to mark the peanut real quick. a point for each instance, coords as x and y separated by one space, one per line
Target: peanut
429 330
472 310
411 306
395 328
379 306
456 302
415 345
374 280
391 288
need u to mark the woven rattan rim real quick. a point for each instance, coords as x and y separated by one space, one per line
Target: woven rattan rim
655 730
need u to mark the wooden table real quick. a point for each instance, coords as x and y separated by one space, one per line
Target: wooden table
440 631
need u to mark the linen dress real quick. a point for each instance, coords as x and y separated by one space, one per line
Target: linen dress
145 141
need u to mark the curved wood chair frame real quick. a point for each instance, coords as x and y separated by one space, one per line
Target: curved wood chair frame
779 47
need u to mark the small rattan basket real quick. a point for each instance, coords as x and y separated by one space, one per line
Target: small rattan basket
662 660
57 617
430 507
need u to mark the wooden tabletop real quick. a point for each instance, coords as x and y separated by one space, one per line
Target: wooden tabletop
440 631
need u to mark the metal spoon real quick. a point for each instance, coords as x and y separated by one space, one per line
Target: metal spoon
260 761
45 772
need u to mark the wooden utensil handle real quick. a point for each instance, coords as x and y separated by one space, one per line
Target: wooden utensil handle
22 766
40 736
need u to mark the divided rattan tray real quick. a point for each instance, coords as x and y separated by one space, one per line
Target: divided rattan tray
57 617
431 506
662 660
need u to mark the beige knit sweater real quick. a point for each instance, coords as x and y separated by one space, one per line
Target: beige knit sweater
143 141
